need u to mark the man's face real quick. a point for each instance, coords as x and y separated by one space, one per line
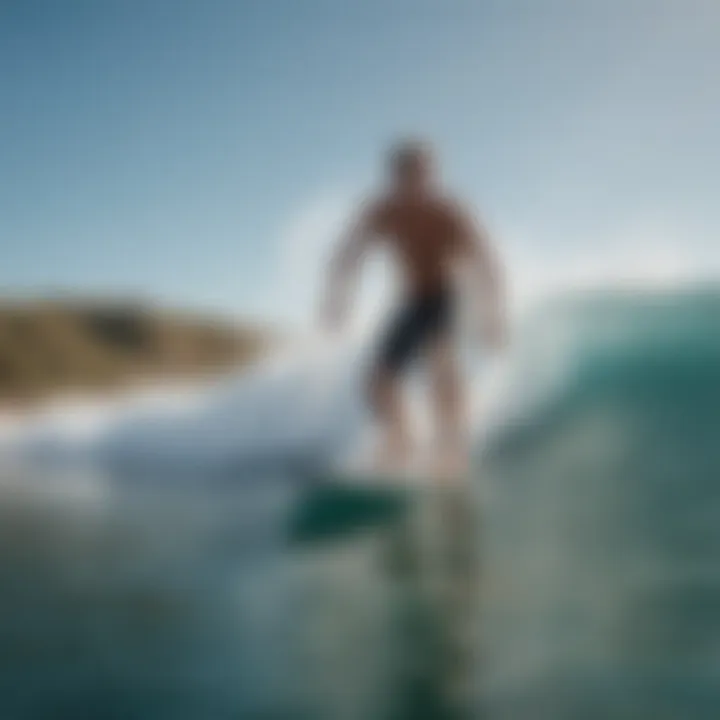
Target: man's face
412 169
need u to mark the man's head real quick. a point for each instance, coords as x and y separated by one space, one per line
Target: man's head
411 165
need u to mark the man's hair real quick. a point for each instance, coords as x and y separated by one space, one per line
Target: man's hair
408 154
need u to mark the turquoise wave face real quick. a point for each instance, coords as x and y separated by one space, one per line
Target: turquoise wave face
603 514
592 578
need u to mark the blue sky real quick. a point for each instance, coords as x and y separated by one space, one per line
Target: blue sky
203 152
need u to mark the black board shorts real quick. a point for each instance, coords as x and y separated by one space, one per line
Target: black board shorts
422 320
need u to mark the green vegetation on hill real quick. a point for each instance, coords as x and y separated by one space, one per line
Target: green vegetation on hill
51 346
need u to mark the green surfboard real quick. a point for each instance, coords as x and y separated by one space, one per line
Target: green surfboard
335 506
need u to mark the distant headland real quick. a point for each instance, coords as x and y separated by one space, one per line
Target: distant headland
55 345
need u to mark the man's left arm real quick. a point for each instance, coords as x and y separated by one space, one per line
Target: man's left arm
477 249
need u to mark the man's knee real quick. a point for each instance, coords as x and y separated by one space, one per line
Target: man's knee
380 390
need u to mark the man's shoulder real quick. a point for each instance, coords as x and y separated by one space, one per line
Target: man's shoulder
380 208
451 206
385 202
378 212
375 206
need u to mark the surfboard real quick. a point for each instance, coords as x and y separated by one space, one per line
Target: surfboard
337 504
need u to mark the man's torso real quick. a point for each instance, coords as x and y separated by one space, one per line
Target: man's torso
424 236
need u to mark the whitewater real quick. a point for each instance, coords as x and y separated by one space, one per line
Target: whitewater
145 552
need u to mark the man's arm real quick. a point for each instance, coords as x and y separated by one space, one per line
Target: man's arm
344 265
486 270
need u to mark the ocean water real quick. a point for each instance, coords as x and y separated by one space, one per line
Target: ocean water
224 598
604 517
576 576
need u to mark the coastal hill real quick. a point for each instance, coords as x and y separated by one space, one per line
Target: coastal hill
52 346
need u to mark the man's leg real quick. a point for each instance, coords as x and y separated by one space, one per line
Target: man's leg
386 401
397 347
449 409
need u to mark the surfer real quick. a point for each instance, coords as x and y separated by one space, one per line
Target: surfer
431 236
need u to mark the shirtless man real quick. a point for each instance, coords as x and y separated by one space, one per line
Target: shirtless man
431 237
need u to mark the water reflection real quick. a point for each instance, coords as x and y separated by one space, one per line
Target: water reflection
403 597
199 600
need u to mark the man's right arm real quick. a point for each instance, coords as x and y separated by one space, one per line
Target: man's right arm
344 266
